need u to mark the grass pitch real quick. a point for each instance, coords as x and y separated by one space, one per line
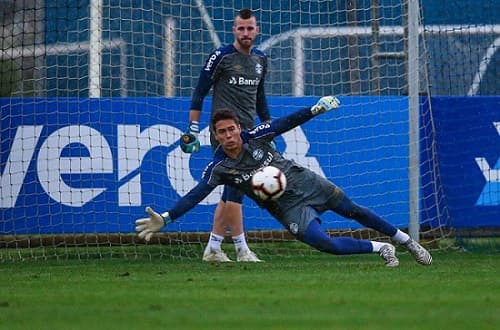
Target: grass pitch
461 290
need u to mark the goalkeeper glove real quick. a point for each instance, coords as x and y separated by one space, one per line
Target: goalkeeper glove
326 103
189 140
147 226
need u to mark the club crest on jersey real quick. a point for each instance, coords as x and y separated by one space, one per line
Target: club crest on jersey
258 68
258 154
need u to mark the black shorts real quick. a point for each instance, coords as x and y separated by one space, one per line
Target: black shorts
231 194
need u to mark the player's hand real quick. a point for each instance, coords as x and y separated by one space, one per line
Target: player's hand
147 226
326 103
189 140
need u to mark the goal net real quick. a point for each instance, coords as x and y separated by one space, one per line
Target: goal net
95 95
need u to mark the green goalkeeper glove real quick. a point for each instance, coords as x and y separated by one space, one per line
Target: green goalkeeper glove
189 140
326 103
147 226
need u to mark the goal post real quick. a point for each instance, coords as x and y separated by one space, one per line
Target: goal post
95 50
95 99
414 121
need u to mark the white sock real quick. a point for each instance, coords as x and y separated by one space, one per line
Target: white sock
240 243
215 241
376 246
400 237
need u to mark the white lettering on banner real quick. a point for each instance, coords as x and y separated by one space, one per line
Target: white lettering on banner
132 146
17 164
297 147
490 195
51 165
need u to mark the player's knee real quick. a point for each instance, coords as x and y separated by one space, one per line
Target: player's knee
356 212
325 244
319 239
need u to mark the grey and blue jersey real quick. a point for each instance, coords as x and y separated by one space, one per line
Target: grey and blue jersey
238 82
306 194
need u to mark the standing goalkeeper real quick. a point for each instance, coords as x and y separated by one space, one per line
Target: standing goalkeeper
307 195
237 73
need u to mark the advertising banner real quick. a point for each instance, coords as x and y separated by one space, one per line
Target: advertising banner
468 151
79 165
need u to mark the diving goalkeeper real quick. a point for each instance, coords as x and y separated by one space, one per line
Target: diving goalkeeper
307 195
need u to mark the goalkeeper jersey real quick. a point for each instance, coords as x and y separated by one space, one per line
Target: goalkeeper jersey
258 152
238 84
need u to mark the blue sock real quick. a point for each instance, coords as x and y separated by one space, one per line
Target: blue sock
316 237
364 216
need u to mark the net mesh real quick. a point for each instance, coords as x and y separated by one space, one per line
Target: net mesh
95 95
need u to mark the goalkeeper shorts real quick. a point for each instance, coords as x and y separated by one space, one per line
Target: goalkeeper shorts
231 194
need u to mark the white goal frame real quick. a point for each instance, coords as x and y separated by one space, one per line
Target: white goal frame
413 30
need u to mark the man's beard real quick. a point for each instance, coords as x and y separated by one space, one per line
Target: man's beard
245 43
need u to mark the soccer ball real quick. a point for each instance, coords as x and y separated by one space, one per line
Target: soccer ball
269 183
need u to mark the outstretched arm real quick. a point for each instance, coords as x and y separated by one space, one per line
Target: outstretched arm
297 118
190 200
155 222
284 124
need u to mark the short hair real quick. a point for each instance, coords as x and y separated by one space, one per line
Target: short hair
222 114
245 13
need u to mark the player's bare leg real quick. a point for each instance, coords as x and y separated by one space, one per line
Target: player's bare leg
233 218
219 226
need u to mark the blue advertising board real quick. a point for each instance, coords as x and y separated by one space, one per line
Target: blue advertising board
468 150
73 165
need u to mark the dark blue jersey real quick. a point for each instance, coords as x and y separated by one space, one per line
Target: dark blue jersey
238 82
257 152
